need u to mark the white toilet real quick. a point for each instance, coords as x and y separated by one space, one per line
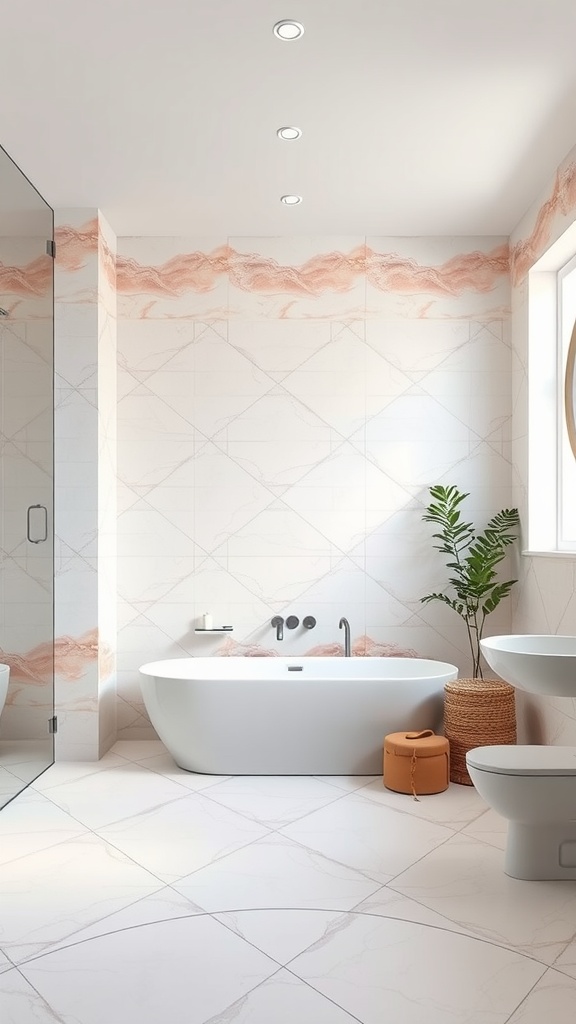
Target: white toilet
534 787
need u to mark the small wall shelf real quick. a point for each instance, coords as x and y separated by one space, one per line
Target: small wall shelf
221 629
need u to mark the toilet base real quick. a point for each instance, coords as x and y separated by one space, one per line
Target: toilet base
543 851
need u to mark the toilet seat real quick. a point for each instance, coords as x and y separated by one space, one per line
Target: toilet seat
526 759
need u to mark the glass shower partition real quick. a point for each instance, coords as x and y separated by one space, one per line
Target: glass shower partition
26 481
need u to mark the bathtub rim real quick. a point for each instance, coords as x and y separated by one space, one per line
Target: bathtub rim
431 668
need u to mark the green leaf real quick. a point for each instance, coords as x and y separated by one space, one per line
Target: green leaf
498 592
472 559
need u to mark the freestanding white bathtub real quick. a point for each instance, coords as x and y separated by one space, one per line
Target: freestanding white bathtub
290 716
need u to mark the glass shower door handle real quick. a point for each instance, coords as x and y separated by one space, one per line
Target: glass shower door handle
37 524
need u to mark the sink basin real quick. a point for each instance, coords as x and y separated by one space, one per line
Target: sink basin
543 664
4 678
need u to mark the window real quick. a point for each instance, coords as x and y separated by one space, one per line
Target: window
551 315
566 344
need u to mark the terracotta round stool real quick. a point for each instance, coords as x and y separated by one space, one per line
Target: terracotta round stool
416 762
477 713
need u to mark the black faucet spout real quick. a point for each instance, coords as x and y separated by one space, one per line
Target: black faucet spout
345 625
278 624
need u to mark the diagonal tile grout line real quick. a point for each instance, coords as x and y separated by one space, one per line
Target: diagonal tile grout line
53 1016
528 994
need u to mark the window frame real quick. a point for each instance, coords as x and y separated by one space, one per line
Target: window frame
537 310
566 398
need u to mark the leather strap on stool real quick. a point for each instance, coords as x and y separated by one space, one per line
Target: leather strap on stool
416 736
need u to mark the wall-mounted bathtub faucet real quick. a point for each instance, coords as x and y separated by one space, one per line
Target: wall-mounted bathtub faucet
344 624
278 624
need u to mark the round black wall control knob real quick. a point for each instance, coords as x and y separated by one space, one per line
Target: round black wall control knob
309 622
292 621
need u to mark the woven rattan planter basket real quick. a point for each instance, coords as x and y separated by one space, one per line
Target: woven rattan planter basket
477 713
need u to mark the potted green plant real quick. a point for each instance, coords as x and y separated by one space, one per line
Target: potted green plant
477 712
472 558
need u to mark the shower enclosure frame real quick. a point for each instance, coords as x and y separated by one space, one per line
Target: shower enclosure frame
27 493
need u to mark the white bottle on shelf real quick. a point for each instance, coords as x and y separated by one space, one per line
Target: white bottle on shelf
207 621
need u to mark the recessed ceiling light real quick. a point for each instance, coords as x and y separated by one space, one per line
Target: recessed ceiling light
288 30
289 133
291 200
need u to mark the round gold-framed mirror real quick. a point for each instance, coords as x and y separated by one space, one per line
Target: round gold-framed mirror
570 392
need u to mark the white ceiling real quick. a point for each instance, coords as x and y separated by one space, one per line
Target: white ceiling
418 116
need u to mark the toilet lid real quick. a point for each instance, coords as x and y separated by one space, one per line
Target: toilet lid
526 759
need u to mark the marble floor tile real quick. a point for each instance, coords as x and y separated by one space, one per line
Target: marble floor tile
274 801
553 999
21 1003
13 752
21 761
386 902
283 999
379 969
165 765
32 823
276 873
350 783
5 964
163 905
566 962
288 900
10 785
456 807
490 828
29 771
101 798
49 895
62 772
137 750
281 934
176 838
372 839
464 881
185 971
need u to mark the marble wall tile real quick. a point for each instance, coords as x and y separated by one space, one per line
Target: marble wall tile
279 347
26 276
85 433
165 278
551 213
296 277
75 358
107 506
415 347
281 402
443 278
76 235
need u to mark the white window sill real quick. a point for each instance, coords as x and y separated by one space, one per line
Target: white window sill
549 554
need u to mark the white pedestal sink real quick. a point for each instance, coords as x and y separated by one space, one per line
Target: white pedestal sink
537 663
